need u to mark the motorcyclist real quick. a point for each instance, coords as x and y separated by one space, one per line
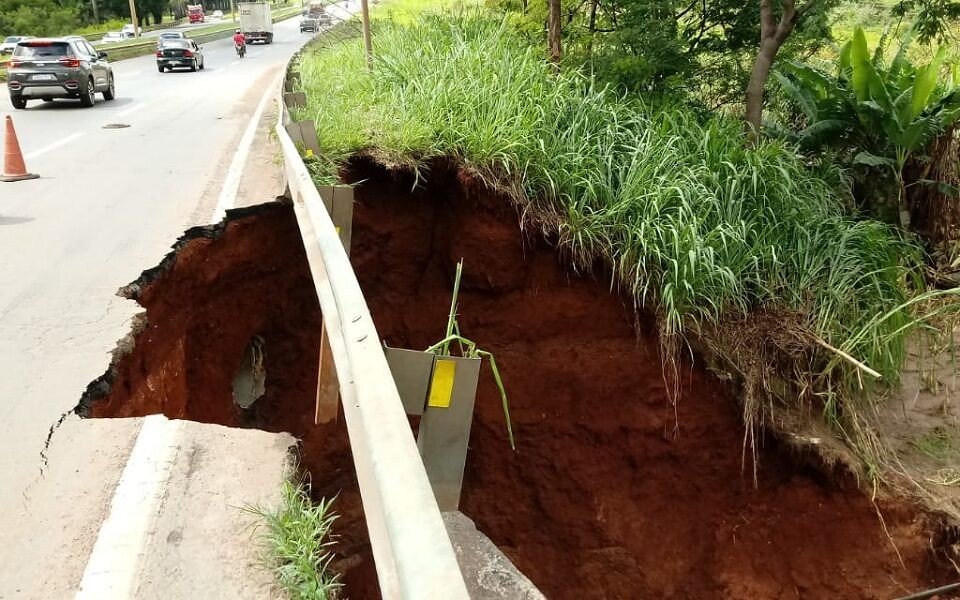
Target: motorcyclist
239 39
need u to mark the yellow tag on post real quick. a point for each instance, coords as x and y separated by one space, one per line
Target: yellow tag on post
441 386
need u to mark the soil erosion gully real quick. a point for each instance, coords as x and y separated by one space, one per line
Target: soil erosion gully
413 554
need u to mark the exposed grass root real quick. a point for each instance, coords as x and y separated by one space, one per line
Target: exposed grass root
751 255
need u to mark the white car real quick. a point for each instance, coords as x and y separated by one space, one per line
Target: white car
111 37
217 15
9 43
128 31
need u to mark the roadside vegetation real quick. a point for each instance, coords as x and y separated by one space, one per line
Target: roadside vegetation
769 253
297 540
700 229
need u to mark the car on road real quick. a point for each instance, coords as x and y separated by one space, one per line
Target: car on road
172 35
308 23
111 37
10 42
217 15
179 54
128 31
48 68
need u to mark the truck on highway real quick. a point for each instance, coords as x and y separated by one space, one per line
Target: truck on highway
256 22
195 13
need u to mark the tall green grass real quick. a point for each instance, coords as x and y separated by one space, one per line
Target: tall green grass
297 544
700 229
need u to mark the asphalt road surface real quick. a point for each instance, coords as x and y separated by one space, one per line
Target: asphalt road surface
109 203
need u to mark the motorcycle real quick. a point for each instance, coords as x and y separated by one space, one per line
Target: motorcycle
241 49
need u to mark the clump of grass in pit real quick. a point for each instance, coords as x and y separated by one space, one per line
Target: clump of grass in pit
297 544
699 228
937 444
469 349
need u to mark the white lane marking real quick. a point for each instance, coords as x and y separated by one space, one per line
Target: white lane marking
231 183
53 146
118 553
132 109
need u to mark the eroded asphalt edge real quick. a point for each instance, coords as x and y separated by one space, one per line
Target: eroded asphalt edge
114 565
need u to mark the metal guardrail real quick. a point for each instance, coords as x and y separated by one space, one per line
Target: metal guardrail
412 550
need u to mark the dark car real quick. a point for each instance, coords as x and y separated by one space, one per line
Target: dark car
179 54
48 68
309 23
172 35
313 20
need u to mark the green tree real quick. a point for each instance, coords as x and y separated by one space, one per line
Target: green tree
37 17
701 48
932 18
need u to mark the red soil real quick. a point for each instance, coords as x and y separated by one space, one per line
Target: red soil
601 499
204 303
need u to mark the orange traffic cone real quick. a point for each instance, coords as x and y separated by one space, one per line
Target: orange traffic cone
14 168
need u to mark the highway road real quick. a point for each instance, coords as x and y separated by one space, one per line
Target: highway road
109 204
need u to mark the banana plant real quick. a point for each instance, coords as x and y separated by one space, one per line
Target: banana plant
882 114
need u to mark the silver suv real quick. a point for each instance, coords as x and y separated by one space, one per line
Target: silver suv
44 69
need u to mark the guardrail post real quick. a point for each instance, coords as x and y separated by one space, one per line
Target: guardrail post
304 133
444 434
295 99
291 82
339 203
442 391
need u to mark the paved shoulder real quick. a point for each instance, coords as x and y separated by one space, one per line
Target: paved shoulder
177 527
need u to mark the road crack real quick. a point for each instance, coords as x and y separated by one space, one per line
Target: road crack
44 457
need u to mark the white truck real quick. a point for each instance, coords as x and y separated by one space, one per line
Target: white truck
256 22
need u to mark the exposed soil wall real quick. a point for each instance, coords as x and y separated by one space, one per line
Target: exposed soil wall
219 287
612 493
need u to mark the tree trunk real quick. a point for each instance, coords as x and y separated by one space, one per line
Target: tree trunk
772 36
553 31
757 86
592 26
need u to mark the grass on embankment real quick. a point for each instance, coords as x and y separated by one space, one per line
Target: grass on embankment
297 542
702 231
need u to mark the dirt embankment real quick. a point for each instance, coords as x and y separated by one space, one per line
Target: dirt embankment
203 304
612 493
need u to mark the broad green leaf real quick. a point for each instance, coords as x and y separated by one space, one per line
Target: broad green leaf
872 160
919 133
900 61
844 65
867 83
925 83
942 187
826 129
801 97
902 110
859 58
